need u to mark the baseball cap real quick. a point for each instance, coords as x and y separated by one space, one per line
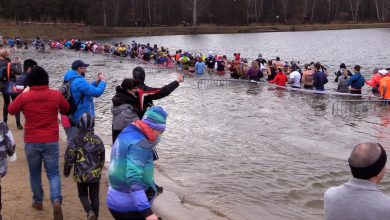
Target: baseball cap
78 63
383 71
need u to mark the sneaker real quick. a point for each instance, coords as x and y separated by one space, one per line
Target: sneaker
37 205
20 127
91 216
160 189
57 210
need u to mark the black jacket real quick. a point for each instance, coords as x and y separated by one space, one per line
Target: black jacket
148 94
87 154
125 105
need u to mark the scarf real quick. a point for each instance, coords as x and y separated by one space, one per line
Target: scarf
146 130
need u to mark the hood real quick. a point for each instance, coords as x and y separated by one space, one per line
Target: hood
87 122
71 74
116 110
139 74
144 129
121 98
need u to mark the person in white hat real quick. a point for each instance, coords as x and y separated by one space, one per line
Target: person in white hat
384 86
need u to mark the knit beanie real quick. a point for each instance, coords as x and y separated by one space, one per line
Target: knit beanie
156 118
37 77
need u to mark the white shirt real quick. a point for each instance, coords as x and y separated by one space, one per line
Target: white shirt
296 77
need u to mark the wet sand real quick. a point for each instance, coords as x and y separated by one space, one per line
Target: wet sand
17 196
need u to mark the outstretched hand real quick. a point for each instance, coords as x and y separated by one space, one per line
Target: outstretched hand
180 78
26 89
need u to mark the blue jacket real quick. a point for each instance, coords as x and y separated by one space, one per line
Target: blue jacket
356 81
319 80
132 187
81 86
199 68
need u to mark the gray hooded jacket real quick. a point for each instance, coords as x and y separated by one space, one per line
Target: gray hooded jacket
122 116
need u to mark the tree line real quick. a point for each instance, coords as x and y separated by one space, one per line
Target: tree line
194 12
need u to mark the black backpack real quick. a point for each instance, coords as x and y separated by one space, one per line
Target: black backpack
65 90
5 72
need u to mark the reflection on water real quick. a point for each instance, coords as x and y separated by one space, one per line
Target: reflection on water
248 150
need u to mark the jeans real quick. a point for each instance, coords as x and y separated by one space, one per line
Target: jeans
7 100
89 196
48 153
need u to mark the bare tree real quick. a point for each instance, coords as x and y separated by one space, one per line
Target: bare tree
285 4
196 7
385 9
305 5
104 13
382 8
149 12
258 10
154 11
377 10
313 7
336 10
329 9
248 11
355 4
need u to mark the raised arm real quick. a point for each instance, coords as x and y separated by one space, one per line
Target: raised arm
88 89
164 91
16 106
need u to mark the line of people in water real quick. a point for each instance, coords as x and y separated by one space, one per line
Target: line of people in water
311 76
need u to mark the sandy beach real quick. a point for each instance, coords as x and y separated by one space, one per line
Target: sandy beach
17 196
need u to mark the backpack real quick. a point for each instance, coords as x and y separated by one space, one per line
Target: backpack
5 72
321 77
66 92
325 79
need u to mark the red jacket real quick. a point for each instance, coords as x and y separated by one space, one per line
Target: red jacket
375 81
40 107
280 79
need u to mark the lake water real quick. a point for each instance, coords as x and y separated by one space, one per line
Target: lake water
248 151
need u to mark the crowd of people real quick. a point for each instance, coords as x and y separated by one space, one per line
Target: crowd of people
136 129
137 125
312 76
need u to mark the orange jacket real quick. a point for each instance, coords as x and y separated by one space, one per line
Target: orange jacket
375 81
385 82
280 79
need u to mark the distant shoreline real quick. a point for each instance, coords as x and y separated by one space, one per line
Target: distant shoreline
64 31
